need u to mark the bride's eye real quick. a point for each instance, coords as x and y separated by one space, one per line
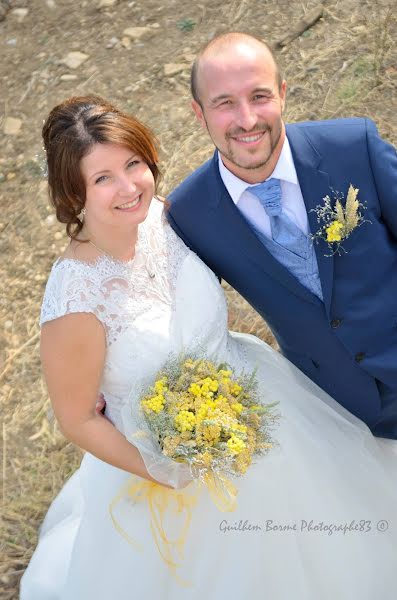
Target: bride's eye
133 163
101 178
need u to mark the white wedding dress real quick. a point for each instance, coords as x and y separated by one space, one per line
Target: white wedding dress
316 516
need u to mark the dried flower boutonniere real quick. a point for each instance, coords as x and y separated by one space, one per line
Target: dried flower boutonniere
339 221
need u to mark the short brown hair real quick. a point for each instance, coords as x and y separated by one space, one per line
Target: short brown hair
223 38
69 133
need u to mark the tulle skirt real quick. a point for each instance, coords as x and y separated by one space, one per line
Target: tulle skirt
315 517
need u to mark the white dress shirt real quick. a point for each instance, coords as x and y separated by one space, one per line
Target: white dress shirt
292 202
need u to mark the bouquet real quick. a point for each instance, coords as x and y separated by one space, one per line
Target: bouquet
206 419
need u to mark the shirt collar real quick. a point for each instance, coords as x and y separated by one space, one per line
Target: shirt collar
284 170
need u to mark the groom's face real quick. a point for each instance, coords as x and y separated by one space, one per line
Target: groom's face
241 105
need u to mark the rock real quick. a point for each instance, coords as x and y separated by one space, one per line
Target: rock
12 126
11 175
2 177
112 42
11 42
50 220
106 3
7 325
68 77
19 13
74 59
171 69
138 33
50 4
58 235
126 42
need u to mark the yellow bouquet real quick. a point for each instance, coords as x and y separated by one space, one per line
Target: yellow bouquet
203 415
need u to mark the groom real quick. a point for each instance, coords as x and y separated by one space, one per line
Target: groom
333 315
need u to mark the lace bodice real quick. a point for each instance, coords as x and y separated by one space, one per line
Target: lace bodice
163 301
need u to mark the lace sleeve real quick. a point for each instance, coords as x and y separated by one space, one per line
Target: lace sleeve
71 288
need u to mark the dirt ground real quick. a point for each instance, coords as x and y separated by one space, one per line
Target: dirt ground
343 65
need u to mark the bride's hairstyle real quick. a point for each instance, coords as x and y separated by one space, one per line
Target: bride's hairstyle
69 133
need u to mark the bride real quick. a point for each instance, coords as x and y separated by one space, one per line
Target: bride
316 515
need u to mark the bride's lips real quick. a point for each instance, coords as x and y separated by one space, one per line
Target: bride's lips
131 205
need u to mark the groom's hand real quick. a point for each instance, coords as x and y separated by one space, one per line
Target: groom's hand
100 405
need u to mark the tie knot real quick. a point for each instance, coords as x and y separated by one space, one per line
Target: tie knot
269 194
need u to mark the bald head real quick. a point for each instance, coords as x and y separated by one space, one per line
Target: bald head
222 46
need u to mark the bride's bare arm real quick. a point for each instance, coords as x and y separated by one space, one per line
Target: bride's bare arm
73 354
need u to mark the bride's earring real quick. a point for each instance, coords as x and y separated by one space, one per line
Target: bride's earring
82 213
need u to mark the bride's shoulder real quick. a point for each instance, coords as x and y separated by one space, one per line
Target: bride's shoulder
72 286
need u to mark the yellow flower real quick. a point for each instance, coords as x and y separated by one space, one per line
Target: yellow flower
235 444
334 232
239 428
160 385
153 403
237 407
211 433
195 389
235 389
185 421
224 373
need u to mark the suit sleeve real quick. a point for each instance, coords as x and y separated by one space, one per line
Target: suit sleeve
383 157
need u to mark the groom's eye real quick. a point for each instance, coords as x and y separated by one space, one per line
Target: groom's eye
225 103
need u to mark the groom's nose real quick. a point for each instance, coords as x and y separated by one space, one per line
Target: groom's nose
246 117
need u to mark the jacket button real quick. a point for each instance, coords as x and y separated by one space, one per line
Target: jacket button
359 356
335 323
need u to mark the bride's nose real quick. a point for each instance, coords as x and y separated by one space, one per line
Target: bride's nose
126 185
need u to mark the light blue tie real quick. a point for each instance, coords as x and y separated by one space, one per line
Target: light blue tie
288 244
284 231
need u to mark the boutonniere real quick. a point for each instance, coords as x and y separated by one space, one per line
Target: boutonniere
339 219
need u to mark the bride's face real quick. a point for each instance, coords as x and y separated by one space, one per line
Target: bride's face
119 186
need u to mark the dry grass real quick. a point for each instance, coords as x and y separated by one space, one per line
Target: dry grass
343 66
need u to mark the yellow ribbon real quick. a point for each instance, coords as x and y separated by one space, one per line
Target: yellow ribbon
161 500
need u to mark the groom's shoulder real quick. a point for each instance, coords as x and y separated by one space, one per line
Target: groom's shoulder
197 182
334 129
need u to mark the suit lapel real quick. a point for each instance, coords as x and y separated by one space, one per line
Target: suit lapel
315 185
236 230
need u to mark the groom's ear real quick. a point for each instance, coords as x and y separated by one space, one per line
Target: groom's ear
198 111
283 94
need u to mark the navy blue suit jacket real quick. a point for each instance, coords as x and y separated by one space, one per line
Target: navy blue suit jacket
348 343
